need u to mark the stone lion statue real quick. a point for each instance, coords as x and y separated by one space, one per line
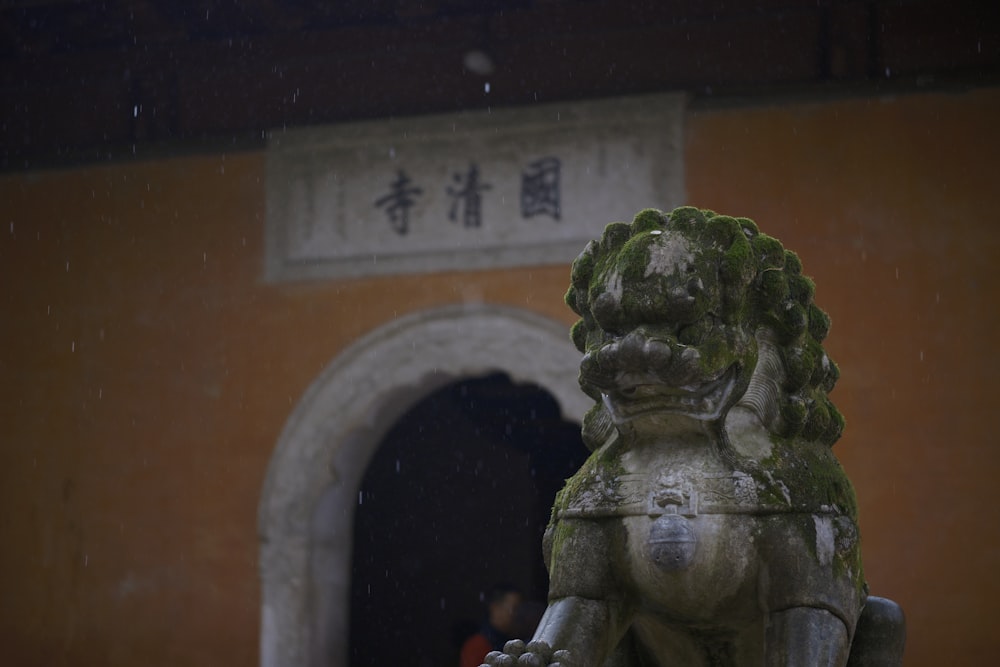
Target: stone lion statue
712 525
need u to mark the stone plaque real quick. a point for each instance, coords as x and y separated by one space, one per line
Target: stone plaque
499 188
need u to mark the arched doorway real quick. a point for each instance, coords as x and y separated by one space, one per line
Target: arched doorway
311 489
454 501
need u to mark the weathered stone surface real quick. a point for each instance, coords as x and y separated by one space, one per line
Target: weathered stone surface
712 525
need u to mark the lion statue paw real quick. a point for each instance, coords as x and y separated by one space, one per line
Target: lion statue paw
533 654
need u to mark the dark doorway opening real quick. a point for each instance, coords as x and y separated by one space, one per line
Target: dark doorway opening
455 500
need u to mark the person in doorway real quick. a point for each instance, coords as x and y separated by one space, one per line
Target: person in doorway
501 612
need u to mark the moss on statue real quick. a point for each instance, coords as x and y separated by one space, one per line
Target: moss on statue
715 280
711 428
736 279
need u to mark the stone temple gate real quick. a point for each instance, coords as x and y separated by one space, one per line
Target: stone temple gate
307 503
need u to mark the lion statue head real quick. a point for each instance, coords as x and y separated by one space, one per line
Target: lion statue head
695 313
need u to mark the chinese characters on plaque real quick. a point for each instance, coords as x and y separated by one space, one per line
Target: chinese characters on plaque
539 195
397 203
474 190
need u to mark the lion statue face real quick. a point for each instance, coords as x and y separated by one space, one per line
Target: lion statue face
675 309
663 346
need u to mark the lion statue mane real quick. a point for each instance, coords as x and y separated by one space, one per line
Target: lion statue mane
759 284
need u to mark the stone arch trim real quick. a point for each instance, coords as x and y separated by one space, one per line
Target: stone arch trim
305 517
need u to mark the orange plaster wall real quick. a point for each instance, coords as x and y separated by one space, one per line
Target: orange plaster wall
148 372
892 204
